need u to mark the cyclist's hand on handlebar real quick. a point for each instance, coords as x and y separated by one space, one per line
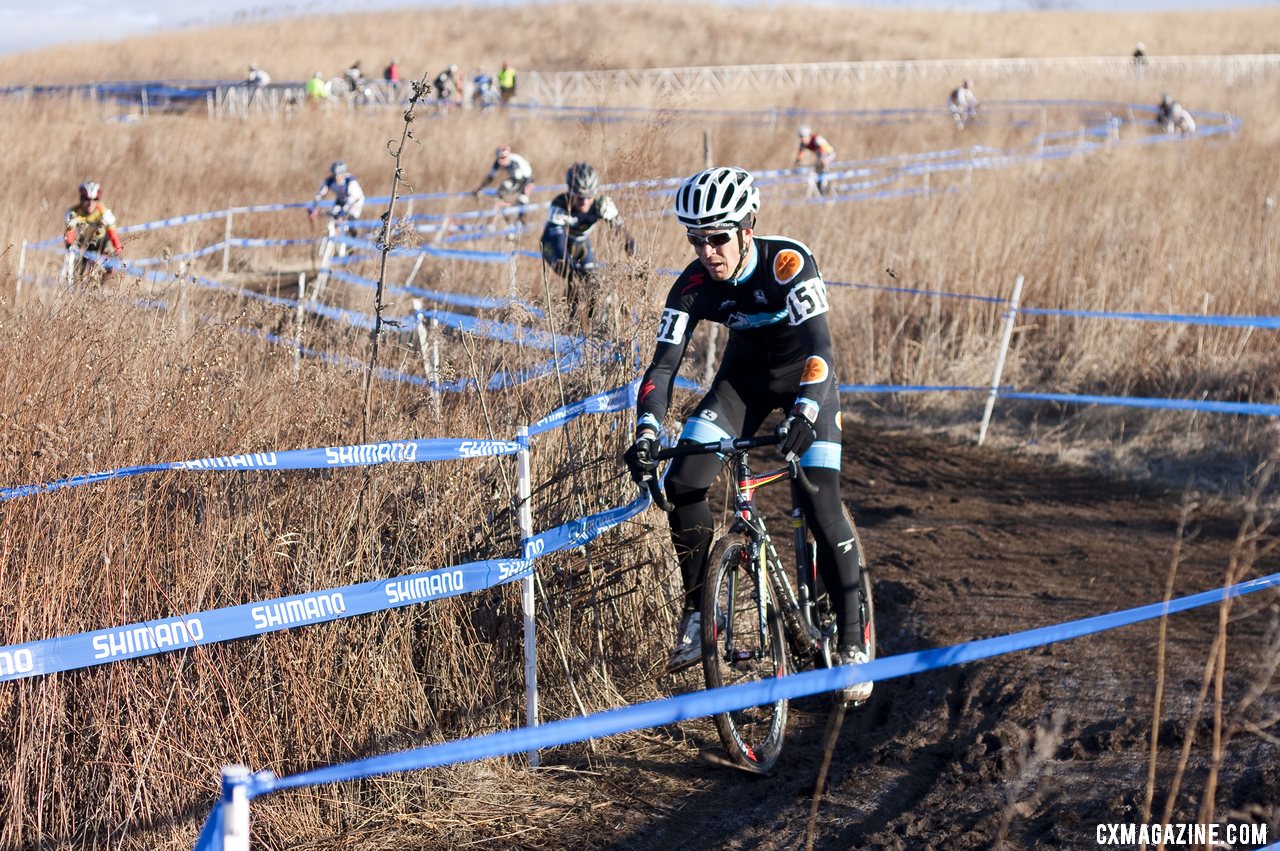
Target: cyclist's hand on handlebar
795 435
640 458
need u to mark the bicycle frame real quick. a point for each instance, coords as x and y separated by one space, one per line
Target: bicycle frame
797 608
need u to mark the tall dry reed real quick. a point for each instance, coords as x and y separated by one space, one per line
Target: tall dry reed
127 755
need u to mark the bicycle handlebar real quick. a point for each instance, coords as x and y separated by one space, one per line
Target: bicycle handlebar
727 445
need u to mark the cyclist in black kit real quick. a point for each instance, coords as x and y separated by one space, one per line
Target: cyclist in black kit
779 355
566 237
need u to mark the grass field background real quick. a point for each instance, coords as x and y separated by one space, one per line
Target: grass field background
128 755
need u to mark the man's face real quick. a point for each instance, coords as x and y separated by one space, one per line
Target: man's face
718 251
581 203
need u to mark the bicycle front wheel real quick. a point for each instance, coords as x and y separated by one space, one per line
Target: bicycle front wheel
743 641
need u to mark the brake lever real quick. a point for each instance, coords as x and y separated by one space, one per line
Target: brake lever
659 498
797 472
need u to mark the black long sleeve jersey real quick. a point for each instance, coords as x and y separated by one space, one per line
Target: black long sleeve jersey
776 312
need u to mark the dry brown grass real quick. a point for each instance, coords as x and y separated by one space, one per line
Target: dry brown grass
128 755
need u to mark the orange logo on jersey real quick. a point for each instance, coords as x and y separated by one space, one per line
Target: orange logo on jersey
815 371
787 265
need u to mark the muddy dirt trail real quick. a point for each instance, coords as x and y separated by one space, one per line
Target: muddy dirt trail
1032 749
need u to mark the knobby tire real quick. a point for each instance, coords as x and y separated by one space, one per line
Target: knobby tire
730 598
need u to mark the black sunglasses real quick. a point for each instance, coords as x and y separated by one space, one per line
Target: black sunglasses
715 240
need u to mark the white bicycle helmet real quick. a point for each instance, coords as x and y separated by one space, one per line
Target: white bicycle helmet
804 131
338 168
90 190
717 198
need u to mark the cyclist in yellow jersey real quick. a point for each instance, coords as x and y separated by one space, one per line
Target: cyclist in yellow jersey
90 225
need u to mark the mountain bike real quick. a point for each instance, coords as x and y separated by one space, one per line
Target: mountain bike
755 623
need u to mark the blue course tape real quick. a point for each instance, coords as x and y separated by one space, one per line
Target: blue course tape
103 646
362 455
618 399
699 704
1243 408
1184 318
100 647
909 388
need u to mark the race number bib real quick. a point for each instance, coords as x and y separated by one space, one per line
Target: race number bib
672 326
807 300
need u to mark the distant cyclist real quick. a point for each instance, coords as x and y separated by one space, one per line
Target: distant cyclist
780 356
484 90
566 238
90 226
258 78
823 154
348 197
448 87
963 104
1173 117
517 176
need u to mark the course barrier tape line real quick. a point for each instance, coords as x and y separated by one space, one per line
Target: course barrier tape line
460 299
360 455
1007 392
1241 408
725 699
1183 318
175 633
619 399
911 388
181 632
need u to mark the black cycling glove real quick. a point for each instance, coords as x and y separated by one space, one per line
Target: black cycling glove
795 435
640 458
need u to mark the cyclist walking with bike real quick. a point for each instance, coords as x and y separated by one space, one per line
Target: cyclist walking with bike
768 292
348 197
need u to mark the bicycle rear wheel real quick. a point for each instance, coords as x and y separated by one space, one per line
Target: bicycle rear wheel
743 641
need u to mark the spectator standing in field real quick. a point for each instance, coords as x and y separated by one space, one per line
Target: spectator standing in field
1139 59
506 83
391 76
317 88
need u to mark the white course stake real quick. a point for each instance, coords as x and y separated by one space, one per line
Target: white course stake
235 797
524 492
1010 317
